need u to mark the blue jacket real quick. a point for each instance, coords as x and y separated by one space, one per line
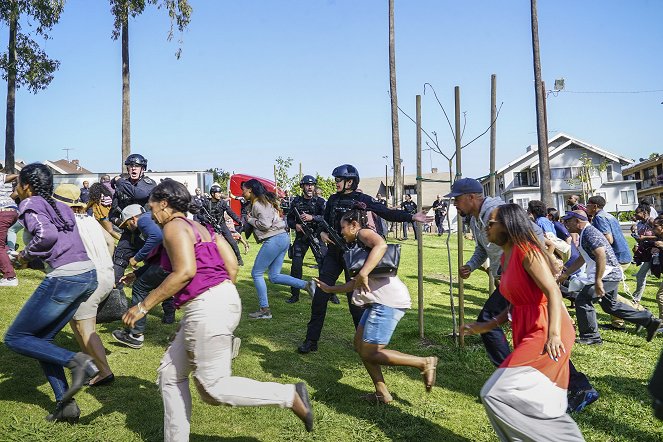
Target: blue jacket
151 233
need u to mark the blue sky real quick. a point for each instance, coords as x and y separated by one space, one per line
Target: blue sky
308 79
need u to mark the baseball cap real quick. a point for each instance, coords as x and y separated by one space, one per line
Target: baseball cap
129 212
463 186
69 194
574 214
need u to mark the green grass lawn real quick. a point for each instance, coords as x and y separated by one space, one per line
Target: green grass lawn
131 409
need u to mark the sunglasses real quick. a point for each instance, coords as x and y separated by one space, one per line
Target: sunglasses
338 180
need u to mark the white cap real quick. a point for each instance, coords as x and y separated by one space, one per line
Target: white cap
129 212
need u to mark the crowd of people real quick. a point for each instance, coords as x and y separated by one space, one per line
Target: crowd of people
181 251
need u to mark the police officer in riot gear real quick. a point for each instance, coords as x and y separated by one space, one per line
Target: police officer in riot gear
213 211
347 180
305 213
133 188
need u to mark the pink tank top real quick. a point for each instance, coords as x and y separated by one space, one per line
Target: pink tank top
210 268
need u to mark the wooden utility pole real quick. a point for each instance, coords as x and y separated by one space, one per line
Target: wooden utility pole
493 134
459 174
420 239
395 139
10 140
544 164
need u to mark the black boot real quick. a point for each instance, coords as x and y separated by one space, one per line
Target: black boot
334 299
292 299
308 346
65 412
82 370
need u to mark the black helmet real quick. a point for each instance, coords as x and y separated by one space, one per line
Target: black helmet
136 159
308 179
347 171
215 188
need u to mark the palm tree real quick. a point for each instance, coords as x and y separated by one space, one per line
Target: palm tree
395 140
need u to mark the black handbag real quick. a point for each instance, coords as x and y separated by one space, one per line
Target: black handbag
113 307
355 258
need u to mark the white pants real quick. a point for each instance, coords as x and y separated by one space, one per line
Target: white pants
203 345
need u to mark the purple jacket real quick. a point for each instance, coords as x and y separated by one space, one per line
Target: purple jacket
52 241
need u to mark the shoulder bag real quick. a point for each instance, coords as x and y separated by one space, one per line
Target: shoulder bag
355 257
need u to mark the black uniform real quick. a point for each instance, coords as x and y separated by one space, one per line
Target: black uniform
127 193
332 264
315 207
440 208
217 210
409 207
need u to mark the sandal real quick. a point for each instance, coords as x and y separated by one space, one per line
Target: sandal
430 372
373 398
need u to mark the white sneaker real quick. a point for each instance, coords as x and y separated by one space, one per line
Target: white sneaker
310 287
11 282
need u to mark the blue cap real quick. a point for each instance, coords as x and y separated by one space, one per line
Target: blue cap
463 186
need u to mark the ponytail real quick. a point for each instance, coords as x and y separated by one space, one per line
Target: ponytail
40 178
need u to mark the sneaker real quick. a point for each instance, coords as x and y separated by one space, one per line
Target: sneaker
292 299
579 400
9 282
612 327
653 327
129 339
65 412
310 287
589 341
334 299
261 314
308 346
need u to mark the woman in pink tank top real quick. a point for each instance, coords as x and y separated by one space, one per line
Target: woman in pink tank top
204 269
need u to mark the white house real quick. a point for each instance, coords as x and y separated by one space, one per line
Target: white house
518 181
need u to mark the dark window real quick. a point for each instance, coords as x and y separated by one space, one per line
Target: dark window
609 171
521 179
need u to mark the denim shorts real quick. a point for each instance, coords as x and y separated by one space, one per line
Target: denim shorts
379 322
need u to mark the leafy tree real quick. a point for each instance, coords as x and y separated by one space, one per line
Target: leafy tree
179 12
283 180
25 63
220 176
327 185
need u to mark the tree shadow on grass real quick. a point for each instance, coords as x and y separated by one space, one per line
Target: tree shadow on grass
204 438
21 378
396 424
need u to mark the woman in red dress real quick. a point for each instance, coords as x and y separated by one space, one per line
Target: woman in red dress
525 398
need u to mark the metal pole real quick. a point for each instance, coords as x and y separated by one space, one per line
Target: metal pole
459 174
420 239
386 182
493 133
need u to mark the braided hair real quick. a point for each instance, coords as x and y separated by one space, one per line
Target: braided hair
357 213
40 178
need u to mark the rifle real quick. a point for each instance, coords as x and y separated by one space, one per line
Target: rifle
309 235
210 219
335 237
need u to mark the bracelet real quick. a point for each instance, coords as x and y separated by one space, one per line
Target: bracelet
141 309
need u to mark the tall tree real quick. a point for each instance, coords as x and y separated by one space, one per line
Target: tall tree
395 139
24 63
541 124
179 12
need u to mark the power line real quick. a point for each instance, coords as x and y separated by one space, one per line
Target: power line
555 92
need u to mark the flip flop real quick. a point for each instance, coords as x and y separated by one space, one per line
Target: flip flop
430 373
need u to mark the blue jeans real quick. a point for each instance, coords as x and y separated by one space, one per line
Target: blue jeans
149 277
44 314
270 257
379 322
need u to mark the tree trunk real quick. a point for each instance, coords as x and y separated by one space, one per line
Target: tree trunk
10 146
395 140
126 108
544 164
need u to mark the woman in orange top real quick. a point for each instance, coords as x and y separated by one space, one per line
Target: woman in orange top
525 398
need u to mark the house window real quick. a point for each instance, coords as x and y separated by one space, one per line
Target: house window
627 196
562 173
522 202
520 179
500 183
602 194
535 177
410 190
609 172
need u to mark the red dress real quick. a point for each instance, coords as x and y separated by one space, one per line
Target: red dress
537 381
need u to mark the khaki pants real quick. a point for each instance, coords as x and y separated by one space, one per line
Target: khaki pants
203 345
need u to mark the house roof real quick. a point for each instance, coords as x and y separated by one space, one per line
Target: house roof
67 167
643 164
533 152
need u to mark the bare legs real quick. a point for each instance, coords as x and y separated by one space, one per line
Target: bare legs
375 355
90 343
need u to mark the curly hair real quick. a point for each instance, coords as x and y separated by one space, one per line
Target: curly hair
97 190
176 194
40 178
